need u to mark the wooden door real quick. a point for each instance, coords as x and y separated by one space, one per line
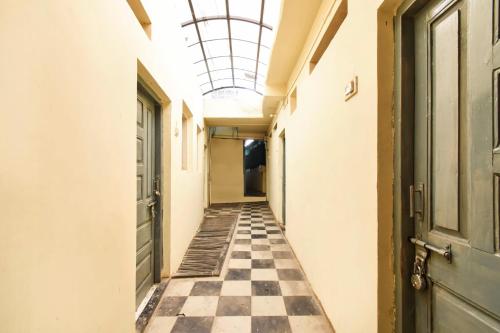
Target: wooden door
145 196
457 169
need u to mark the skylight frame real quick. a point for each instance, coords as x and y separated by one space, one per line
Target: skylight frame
210 47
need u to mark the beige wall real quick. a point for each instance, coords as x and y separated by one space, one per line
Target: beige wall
332 178
67 177
226 171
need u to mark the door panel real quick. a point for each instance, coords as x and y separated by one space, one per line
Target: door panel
455 160
145 199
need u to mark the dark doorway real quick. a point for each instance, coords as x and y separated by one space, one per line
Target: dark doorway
254 168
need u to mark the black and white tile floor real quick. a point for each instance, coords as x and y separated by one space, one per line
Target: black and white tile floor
261 289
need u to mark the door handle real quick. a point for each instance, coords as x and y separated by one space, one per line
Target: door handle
445 252
151 206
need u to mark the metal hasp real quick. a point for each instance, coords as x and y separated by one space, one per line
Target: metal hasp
445 252
417 204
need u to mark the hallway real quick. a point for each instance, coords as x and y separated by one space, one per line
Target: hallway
263 166
261 288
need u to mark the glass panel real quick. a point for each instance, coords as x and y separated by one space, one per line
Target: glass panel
243 74
195 52
245 31
262 70
272 12
217 48
221 74
183 11
245 8
203 77
190 35
200 67
223 83
244 83
209 7
219 63
243 63
264 54
205 88
267 38
213 29
244 49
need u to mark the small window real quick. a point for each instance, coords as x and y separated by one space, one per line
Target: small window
141 15
331 31
293 100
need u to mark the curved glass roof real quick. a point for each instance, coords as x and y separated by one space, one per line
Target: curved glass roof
230 41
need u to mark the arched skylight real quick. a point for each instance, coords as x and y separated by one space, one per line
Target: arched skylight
230 41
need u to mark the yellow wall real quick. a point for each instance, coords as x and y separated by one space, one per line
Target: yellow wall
226 172
68 172
332 161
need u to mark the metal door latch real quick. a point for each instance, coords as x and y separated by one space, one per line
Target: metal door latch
445 252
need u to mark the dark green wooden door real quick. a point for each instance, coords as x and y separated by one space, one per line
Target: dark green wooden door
456 161
145 196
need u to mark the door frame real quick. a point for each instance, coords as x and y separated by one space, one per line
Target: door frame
158 167
404 100
283 177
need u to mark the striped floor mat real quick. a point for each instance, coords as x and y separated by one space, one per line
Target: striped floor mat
207 251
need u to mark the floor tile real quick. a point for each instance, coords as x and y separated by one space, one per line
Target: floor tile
200 306
240 263
280 247
286 263
261 247
266 288
263 263
179 287
258 228
193 325
238 274
274 236
260 241
258 236
264 275
206 288
242 247
268 306
262 255
277 241
170 306
301 306
295 288
242 232
242 241
290 274
232 325
236 288
234 306
316 324
161 324
282 255
243 236
275 232
241 255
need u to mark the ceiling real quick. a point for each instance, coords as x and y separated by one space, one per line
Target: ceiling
230 41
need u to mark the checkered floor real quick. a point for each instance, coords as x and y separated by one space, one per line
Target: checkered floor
261 289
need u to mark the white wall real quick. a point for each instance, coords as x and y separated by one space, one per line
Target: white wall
332 169
68 172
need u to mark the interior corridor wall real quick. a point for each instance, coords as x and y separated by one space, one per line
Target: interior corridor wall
331 158
68 172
